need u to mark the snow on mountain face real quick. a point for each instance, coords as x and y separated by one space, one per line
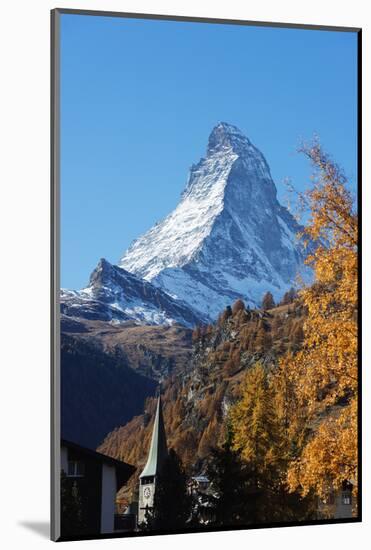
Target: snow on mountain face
115 295
228 237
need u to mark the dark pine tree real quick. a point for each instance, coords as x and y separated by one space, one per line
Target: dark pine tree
196 334
289 297
230 502
268 301
172 503
225 315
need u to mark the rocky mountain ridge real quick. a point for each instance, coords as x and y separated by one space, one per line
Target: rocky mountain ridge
114 295
228 238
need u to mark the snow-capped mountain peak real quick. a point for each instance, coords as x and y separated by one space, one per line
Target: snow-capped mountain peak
228 237
226 136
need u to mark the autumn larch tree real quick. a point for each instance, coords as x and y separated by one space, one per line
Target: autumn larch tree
260 438
324 372
253 420
238 306
263 340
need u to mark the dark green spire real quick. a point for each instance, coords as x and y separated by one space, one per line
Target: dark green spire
158 450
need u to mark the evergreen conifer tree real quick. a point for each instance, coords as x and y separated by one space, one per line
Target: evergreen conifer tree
268 301
172 503
228 500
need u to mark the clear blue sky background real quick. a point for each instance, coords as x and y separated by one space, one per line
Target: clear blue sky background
139 99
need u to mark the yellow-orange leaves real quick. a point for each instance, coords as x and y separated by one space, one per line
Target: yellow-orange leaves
324 372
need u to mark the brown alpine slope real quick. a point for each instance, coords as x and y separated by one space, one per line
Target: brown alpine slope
196 401
154 351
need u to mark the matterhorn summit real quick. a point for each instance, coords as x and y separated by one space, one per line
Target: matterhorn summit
228 238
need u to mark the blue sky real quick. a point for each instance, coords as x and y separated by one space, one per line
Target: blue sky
139 99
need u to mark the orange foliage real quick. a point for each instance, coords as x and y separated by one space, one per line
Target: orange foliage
324 371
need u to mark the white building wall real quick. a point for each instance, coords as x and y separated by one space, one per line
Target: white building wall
108 499
342 510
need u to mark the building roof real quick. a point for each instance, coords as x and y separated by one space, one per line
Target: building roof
201 479
158 450
123 470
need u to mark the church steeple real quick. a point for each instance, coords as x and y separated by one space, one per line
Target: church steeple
158 450
154 465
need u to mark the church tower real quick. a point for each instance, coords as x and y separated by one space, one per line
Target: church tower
156 458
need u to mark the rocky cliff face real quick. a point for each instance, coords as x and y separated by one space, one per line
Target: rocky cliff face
228 238
115 295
